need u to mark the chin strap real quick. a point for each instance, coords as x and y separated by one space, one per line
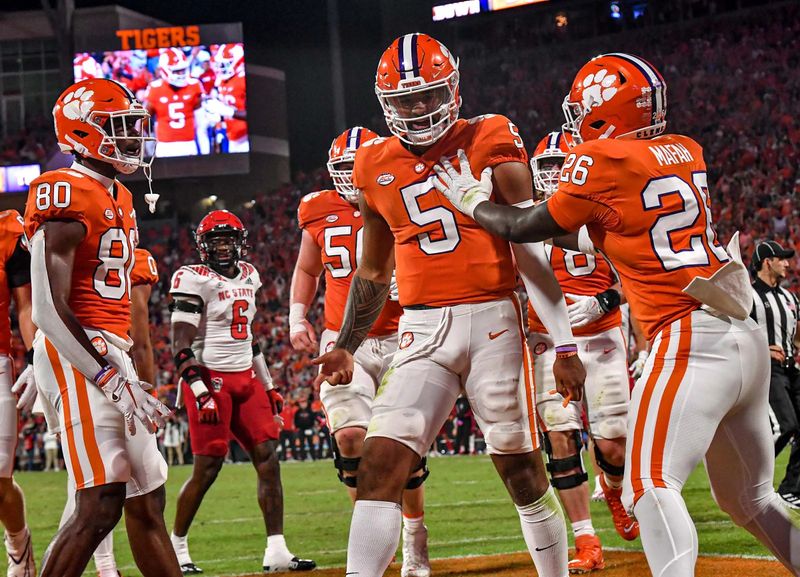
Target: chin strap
151 197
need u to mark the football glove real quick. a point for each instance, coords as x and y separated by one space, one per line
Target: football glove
25 388
583 310
275 401
207 407
130 399
462 189
637 366
394 294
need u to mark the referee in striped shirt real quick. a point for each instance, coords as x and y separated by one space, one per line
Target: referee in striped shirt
776 310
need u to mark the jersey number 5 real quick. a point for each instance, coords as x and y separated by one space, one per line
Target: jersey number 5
449 236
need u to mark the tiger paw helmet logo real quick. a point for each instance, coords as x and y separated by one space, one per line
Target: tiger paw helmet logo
598 88
78 104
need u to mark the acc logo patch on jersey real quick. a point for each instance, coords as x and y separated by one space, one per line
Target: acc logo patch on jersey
331 218
385 179
406 339
100 346
109 214
540 348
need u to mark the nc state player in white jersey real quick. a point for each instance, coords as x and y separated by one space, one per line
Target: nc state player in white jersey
226 382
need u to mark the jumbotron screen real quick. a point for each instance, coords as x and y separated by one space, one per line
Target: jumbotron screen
195 94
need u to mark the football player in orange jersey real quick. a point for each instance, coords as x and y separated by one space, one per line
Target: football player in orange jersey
332 238
644 197
82 230
590 284
229 103
172 100
15 283
143 276
461 330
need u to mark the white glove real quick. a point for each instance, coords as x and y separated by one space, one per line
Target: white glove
216 107
394 294
25 388
583 310
462 189
637 366
130 399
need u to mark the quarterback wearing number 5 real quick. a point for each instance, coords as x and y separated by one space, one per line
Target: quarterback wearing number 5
703 394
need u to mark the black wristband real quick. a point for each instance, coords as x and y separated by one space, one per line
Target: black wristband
256 348
191 373
608 299
182 356
29 356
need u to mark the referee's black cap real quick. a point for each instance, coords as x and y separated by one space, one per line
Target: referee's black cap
769 249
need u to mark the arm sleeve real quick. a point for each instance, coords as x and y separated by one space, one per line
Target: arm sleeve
543 290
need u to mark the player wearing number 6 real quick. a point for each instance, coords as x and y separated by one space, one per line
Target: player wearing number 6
225 382
703 394
332 239
461 330
82 230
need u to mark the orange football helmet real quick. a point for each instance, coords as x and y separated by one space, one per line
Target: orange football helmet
228 60
173 67
101 119
341 156
417 86
616 96
546 161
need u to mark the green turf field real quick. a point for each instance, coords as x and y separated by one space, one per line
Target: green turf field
468 513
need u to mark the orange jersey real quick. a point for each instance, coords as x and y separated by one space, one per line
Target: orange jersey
442 257
174 109
336 226
647 207
10 233
232 93
145 270
100 291
580 274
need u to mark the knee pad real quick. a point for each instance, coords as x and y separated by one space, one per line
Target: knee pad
503 439
342 464
605 465
416 482
565 464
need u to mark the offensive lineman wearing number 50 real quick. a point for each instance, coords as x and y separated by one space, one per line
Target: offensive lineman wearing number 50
82 230
226 382
703 394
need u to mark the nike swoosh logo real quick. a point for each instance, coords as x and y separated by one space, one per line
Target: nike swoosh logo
493 336
548 547
629 528
606 351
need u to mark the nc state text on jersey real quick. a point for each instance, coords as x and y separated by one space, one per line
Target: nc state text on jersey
235 293
165 37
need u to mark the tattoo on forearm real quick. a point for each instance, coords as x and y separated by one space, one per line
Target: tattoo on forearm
364 305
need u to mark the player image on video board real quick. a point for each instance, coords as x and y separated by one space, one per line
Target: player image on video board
196 95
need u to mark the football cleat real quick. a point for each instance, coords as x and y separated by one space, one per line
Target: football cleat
190 569
23 564
626 527
415 554
588 555
293 564
598 496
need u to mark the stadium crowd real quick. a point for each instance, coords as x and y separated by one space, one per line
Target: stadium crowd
732 87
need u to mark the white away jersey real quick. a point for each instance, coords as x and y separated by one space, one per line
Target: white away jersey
224 339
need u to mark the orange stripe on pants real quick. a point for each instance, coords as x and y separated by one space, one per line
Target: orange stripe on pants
527 366
668 401
641 416
87 425
58 371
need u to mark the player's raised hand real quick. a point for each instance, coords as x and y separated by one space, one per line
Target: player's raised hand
25 389
570 375
460 187
303 337
337 368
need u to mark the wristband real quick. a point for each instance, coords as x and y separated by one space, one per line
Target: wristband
182 356
104 376
608 299
29 356
566 351
191 374
199 389
297 313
